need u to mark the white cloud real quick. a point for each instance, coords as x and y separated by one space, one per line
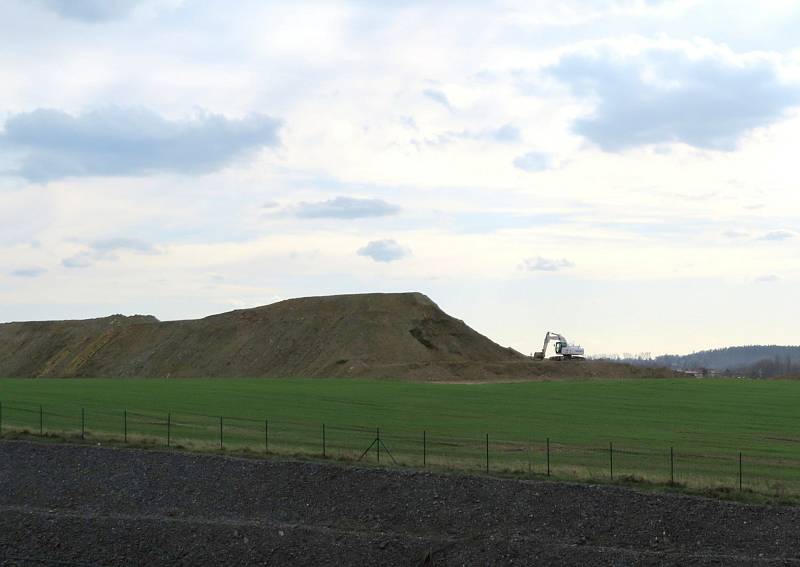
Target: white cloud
107 250
91 10
507 133
383 251
80 260
734 234
778 235
357 123
438 96
344 208
540 264
533 162
704 98
110 245
34 272
769 278
129 141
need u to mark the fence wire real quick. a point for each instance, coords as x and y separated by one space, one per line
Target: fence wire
774 473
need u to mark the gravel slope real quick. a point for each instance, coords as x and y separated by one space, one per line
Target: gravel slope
63 504
374 335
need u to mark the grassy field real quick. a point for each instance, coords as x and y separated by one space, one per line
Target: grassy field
707 422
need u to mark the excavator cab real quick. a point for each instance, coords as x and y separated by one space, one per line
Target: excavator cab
559 344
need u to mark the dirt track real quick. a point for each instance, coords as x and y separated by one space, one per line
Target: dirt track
62 504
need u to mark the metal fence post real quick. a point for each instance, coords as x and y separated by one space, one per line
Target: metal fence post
740 471
671 466
530 457
611 458
487 453
548 456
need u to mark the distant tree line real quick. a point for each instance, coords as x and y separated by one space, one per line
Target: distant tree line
756 361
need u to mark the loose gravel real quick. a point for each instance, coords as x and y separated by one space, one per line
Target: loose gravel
83 505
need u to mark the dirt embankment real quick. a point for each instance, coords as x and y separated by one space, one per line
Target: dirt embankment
402 335
62 504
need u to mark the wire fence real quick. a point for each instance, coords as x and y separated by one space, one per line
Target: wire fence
774 473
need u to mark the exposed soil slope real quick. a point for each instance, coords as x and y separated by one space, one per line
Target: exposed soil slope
97 506
402 335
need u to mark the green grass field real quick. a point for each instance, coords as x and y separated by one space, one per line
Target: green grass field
708 422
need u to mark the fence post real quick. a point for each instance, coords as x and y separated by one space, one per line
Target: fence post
424 448
487 453
266 435
323 440
169 427
41 421
1 418
83 424
378 444
740 471
530 456
671 466
124 426
548 456
611 458
220 433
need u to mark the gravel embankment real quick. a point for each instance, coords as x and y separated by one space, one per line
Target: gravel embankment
64 504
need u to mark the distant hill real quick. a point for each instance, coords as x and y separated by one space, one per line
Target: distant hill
760 361
393 335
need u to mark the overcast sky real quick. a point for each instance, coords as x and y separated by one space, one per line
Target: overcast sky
624 172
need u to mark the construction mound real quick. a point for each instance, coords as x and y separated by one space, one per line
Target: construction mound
394 335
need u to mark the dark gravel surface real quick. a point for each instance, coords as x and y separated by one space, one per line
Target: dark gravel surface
66 504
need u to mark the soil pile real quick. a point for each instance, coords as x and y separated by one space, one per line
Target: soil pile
398 335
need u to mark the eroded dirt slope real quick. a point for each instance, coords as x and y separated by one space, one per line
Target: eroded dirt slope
401 335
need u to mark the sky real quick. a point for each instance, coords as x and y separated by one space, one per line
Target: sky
623 172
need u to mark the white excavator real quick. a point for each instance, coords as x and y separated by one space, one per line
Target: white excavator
564 350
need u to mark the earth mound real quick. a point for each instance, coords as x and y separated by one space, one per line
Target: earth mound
394 335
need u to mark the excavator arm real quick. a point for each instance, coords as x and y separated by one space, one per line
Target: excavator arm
550 335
